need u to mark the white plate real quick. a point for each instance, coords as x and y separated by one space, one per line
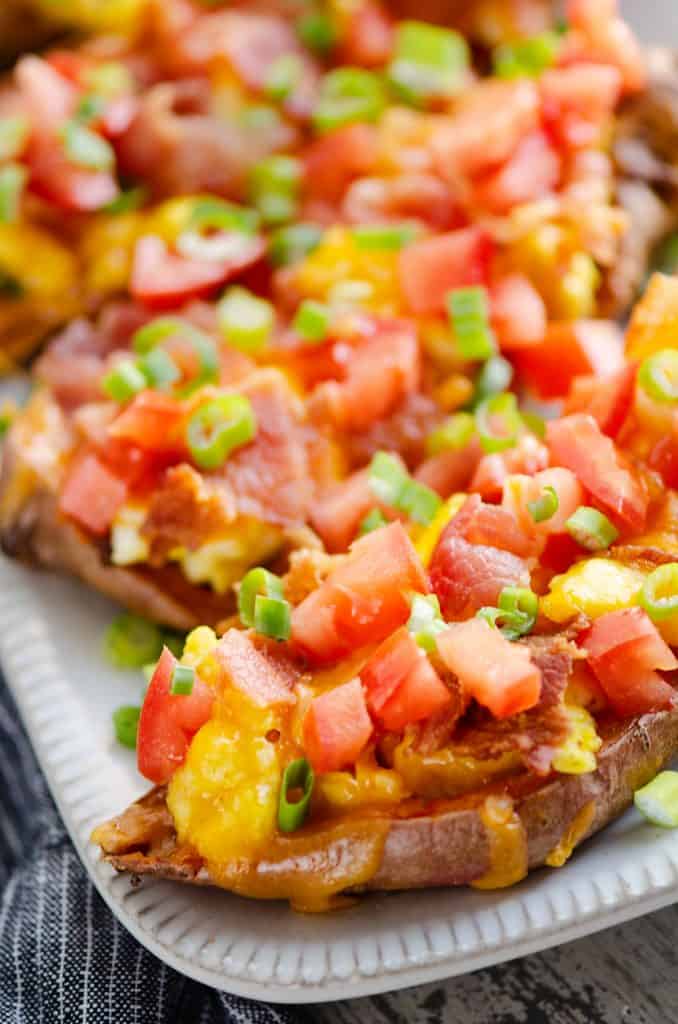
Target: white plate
50 644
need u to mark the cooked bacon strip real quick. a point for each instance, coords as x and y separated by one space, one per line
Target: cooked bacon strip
534 735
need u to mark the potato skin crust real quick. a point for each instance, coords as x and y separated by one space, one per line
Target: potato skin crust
453 848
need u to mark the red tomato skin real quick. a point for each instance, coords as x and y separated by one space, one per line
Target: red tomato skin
578 100
530 173
624 651
517 312
50 97
577 443
450 471
337 727
664 459
92 495
368 40
250 671
431 268
168 723
400 683
497 673
335 159
569 350
54 178
387 669
363 601
336 516
152 421
421 695
162 280
465 577
607 399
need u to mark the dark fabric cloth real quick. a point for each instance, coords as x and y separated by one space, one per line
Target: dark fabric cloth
63 955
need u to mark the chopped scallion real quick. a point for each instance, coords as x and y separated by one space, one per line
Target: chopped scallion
394 487
131 642
384 236
545 506
428 62
659 593
317 32
85 148
14 132
468 309
124 381
183 678
425 621
526 57
245 320
291 244
374 520
12 180
272 617
591 528
159 368
126 725
658 375
256 583
297 776
312 321
219 427
283 76
453 434
348 95
498 422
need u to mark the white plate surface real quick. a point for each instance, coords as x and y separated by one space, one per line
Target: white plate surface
50 645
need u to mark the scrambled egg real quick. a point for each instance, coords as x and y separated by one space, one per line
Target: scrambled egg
577 754
592 588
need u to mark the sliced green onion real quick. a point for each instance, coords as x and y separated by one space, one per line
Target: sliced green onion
659 594
219 427
297 775
164 328
384 236
666 259
245 320
546 505
159 368
591 529
14 132
219 215
348 95
425 621
453 434
272 617
218 230
374 520
468 309
428 62
658 800
495 376
346 295
658 375
291 244
128 200
516 613
257 582
148 671
526 57
126 725
498 422
85 148
12 180
131 641
535 423
317 32
283 76
6 420
183 678
124 381
109 79
274 187
90 107
394 487
312 321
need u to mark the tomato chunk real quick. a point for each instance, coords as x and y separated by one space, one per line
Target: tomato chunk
429 269
55 178
92 494
162 280
499 674
607 399
518 313
251 672
569 350
335 159
362 601
532 172
519 491
401 684
338 514
625 650
337 727
465 577
577 443
168 722
152 421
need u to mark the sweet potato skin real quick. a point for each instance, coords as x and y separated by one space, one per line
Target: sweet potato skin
451 848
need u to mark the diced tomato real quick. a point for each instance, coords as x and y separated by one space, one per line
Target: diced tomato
364 600
499 674
466 577
50 97
492 526
625 650
168 722
251 672
380 373
585 13
560 552
92 495
56 179
337 515
569 350
431 268
603 38
337 727
528 457
138 467
162 280
401 684
368 38
607 399
153 421
521 490
577 101
450 471
578 443
490 122
664 457
530 173
518 313
70 64
118 116
336 158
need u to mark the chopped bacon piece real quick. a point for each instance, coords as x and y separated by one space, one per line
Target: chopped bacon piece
492 526
450 471
466 576
535 735
92 495
249 670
